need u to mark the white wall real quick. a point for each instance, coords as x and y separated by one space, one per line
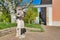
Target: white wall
56 23
49 16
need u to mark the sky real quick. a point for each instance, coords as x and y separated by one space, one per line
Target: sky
35 2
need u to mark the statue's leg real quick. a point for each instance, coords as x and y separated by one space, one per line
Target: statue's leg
19 26
22 25
17 32
18 29
20 36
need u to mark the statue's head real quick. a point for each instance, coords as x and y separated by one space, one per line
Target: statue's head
19 11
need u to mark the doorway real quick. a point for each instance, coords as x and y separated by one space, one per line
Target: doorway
42 15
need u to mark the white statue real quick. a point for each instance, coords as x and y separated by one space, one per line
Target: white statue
20 30
20 22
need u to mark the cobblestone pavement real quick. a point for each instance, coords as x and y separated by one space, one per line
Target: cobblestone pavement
51 33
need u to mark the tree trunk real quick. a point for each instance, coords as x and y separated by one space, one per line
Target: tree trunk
13 18
29 21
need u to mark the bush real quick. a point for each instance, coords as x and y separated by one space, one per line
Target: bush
31 15
5 17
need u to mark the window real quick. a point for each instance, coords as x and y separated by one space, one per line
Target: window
46 2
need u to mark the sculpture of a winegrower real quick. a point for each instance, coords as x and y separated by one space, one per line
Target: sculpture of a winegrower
20 30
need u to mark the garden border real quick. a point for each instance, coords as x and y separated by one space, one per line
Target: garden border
12 30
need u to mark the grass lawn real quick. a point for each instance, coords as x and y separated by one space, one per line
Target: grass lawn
35 26
9 25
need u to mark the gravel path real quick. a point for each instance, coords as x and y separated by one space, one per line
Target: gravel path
51 33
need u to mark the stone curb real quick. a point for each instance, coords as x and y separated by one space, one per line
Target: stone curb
36 29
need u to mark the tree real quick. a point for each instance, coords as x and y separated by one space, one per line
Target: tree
9 6
31 15
5 16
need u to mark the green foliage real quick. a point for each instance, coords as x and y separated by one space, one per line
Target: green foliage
5 17
31 15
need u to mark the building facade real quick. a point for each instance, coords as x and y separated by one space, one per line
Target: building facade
56 12
46 1
45 9
51 13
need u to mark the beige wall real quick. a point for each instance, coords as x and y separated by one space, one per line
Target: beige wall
56 10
